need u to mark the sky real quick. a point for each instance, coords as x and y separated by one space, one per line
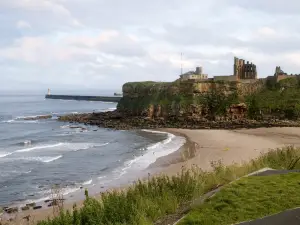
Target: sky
101 44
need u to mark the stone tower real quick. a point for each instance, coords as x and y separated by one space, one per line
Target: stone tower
242 70
199 70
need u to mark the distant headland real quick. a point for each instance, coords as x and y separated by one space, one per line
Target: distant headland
196 101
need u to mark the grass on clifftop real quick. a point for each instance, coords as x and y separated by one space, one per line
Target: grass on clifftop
149 201
247 199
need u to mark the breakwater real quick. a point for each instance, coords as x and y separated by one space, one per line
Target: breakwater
85 98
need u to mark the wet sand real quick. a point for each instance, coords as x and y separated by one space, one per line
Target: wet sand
203 147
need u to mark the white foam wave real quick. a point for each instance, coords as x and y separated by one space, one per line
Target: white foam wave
32 116
44 159
164 142
39 147
84 146
171 144
47 194
69 190
4 154
8 121
21 121
27 142
63 147
88 182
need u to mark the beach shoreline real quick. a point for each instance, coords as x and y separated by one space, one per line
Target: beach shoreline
201 148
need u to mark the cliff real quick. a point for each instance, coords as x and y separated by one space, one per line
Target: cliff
185 99
202 105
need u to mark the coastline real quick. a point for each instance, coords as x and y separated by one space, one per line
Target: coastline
204 146
47 212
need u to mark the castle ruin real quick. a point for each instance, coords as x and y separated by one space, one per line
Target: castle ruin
244 70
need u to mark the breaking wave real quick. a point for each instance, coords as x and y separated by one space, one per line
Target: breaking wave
39 147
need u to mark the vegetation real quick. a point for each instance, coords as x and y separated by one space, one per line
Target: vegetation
280 100
247 199
147 201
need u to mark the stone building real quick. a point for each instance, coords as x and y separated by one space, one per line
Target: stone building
194 75
244 70
281 75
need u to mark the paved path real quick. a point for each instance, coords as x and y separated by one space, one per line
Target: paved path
275 172
289 217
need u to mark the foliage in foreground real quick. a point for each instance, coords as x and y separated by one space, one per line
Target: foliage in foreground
147 201
247 199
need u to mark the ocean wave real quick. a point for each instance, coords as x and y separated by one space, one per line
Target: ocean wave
88 182
31 116
7 121
164 142
151 153
20 121
47 194
39 147
27 142
63 147
4 154
44 159
65 126
84 146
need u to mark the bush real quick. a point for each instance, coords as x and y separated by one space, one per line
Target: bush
147 201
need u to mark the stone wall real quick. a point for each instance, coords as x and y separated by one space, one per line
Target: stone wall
283 76
225 78
248 81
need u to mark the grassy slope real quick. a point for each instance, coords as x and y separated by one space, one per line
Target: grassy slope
248 199
282 98
147 202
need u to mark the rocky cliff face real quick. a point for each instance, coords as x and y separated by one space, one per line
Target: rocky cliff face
185 100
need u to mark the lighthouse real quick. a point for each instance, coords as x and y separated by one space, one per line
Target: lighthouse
49 93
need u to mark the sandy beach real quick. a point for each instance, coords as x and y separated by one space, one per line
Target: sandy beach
204 146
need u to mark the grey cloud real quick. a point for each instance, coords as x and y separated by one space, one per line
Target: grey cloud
208 32
277 7
188 35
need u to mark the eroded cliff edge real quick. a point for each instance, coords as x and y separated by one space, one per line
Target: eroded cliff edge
203 104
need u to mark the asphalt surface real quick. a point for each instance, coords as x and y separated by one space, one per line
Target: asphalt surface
275 172
288 217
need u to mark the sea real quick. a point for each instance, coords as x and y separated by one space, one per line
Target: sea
38 156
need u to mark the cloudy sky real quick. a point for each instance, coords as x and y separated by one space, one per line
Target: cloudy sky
104 43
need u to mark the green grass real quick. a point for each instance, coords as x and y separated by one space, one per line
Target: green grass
247 199
150 200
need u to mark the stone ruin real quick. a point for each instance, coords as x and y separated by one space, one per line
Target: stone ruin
244 70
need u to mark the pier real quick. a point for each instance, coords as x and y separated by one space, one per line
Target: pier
85 98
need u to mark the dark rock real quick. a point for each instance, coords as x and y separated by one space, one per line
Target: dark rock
48 200
234 120
38 117
11 210
37 207
31 204
25 208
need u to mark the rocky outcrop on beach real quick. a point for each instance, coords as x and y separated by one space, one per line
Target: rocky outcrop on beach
200 105
120 121
43 117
